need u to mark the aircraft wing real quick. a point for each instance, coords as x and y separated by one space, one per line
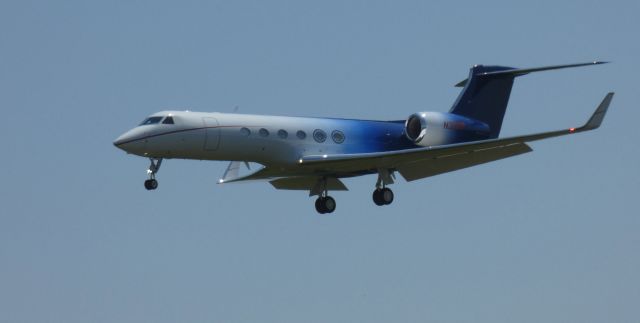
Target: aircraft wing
412 164
428 161
287 179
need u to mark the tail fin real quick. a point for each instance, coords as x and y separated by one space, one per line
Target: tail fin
486 92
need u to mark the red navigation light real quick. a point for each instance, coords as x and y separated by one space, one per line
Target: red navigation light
572 129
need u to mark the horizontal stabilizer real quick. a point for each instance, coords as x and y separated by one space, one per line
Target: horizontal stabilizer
524 71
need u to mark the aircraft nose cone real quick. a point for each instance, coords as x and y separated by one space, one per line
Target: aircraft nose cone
119 141
131 141
122 140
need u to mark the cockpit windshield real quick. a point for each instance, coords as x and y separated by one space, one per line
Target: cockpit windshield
151 120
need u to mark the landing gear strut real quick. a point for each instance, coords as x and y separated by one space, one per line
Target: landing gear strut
152 183
382 194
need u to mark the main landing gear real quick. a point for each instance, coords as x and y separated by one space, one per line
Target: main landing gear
383 195
325 204
152 183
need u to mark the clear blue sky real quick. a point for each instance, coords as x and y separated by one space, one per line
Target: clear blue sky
551 236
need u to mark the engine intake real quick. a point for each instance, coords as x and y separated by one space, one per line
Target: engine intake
415 127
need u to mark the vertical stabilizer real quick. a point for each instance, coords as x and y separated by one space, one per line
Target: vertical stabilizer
485 97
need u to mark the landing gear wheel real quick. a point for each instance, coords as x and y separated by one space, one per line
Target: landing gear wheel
377 197
387 196
329 204
319 206
151 184
382 196
325 204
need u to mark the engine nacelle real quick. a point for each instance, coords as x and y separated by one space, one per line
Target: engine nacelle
436 128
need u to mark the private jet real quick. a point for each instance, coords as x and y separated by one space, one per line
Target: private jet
315 154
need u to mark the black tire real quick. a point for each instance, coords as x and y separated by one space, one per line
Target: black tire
386 195
320 205
329 204
377 197
151 184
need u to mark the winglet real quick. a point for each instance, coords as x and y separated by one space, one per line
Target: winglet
596 118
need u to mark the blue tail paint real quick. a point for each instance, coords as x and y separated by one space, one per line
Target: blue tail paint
485 96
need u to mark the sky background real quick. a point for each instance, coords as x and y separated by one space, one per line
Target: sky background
550 236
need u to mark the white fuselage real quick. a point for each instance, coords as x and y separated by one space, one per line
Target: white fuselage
262 139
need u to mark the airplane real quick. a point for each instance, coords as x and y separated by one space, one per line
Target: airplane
314 154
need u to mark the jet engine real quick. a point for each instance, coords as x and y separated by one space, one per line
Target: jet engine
436 128
416 127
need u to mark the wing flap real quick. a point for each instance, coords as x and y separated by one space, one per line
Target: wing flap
308 183
448 163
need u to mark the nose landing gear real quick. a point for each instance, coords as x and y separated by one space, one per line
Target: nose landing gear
152 183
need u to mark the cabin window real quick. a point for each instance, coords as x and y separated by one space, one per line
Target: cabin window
319 135
151 120
245 131
283 134
301 135
168 120
263 132
337 136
